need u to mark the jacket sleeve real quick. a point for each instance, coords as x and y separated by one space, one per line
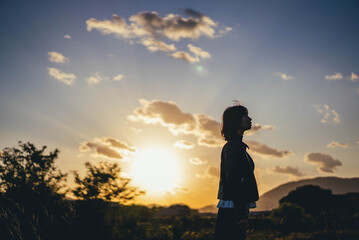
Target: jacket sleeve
234 172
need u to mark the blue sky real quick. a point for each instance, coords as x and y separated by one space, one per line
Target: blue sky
293 64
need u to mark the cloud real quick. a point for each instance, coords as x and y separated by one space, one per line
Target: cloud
152 30
155 45
118 77
136 130
210 142
224 31
169 115
166 113
197 51
57 57
329 115
209 172
334 144
283 76
108 147
256 127
197 161
181 189
96 78
266 151
184 56
183 144
67 78
325 163
288 170
67 36
354 77
193 13
212 171
334 77
357 90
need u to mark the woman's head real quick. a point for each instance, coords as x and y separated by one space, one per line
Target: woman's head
235 120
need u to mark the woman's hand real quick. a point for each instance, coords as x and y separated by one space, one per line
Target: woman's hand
243 223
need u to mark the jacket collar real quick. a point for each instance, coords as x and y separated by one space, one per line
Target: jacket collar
238 138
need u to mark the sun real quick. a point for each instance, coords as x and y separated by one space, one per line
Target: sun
156 169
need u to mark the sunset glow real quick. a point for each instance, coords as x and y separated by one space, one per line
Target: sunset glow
156 169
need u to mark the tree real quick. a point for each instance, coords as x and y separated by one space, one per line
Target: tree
312 198
104 182
29 169
30 198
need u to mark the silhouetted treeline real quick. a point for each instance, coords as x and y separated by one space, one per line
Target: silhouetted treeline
33 206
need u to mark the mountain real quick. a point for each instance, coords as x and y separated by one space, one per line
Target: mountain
270 199
208 209
175 210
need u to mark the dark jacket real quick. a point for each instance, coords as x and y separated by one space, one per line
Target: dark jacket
237 180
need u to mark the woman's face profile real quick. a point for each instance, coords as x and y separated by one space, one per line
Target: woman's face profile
246 122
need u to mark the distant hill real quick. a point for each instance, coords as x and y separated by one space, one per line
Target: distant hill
175 210
208 209
270 199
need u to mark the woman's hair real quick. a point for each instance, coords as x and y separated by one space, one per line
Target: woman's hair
231 119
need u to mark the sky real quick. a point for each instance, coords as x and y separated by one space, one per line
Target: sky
145 84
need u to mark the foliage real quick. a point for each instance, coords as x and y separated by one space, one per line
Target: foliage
29 168
30 198
104 182
291 217
312 198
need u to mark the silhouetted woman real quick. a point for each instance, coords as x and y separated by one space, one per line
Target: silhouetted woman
237 185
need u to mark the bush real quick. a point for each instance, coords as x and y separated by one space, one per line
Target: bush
291 218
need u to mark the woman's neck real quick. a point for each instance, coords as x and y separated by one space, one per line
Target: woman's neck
237 137
240 132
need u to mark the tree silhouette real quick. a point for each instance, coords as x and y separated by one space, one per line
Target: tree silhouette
30 198
29 169
312 198
104 182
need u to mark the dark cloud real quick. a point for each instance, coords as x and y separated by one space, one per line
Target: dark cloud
266 151
325 163
193 13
